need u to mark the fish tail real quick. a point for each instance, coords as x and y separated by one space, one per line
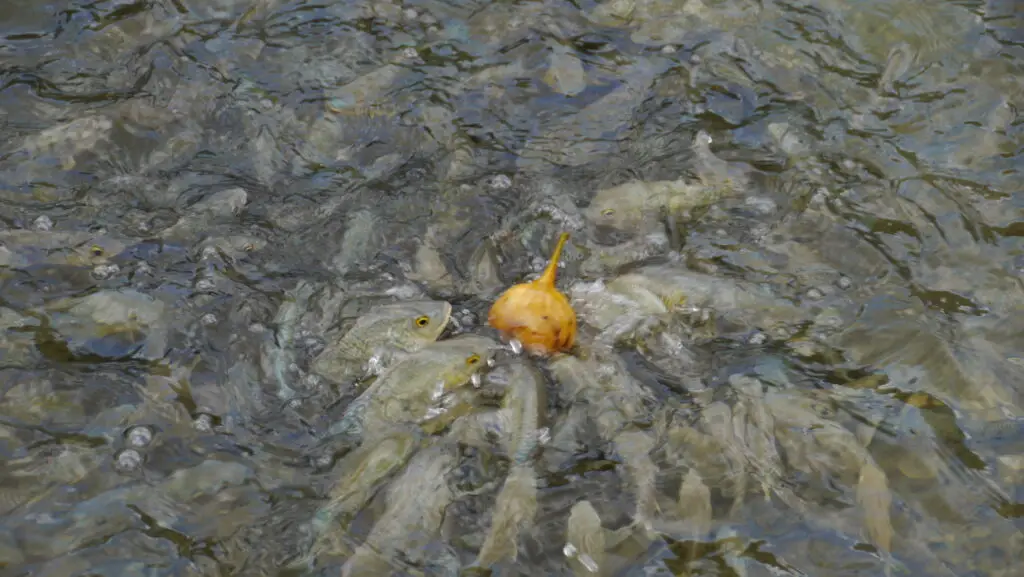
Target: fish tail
548 277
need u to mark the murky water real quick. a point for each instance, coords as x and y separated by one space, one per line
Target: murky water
796 255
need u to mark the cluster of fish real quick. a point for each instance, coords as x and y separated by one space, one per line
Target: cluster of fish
419 399
556 386
585 434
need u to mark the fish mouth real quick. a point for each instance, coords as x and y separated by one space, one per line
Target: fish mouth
445 327
447 314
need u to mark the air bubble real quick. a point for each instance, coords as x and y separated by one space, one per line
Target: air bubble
128 460
203 423
43 222
139 436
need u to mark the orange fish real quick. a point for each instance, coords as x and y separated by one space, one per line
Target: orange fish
535 313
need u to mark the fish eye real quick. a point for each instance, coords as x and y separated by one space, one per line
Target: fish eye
608 211
96 250
422 321
473 359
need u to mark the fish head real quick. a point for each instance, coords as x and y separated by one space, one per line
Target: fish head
609 210
95 251
423 321
463 357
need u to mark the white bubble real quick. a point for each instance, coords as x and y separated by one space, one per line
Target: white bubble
105 271
128 460
140 436
43 222
543 435
203 423
208 319
588 562
501 182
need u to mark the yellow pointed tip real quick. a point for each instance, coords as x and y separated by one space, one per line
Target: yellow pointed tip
548 277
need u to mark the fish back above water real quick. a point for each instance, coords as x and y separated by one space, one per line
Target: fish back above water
414 389
401 327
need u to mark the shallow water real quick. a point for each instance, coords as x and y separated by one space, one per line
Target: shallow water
874 153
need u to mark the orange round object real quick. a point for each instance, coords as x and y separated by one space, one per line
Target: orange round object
535 313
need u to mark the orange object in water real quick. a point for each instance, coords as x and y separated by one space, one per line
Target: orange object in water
535 313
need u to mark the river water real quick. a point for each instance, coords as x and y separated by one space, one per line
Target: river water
173 173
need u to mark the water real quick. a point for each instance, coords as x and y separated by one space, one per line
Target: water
171 171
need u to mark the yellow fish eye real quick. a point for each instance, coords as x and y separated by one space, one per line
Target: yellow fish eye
473 359
96 250
422 321
608 211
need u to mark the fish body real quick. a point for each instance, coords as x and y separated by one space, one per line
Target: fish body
402 327
585 540
414 389
535 313
384 421
416 504
524 403
676 286
615 401
23 248
629 206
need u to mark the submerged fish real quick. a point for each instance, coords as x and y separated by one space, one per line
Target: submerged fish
385 421
615 401
23 248
416 504
631 205
521 433
402 327
746 303
535 313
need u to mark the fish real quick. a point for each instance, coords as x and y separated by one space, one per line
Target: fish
412 518
23 248
634 204
387 329
383 423
221 205
516 506
615 401
584 540
535 313
278 354
746 303
413 390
